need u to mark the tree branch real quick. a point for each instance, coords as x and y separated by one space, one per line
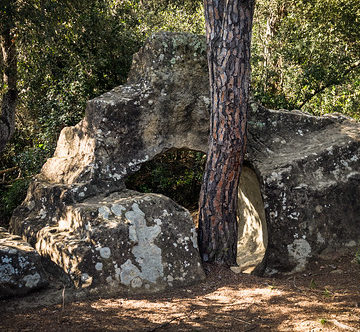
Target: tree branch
9 99
9 170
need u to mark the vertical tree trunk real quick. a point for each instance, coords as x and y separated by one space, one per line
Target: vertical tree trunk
277 12
228 31
9 62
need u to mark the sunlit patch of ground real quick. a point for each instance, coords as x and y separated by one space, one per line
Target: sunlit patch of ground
316 300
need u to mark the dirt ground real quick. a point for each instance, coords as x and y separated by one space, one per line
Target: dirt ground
326 297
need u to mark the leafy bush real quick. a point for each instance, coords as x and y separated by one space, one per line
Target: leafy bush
306 55
176 174
10 198
176 16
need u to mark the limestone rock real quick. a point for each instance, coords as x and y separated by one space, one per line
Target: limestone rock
21 270
125 241
307 168
252 232
161 107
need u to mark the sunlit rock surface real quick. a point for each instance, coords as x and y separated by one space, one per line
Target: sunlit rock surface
163 106
307 169
21 270
130 241
252 232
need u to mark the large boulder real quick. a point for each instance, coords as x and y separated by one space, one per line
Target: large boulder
21 270
309 171
304 170
130 241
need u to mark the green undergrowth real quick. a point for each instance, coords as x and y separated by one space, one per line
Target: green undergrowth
176 174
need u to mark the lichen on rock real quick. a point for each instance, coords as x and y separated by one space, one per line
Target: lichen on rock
21 270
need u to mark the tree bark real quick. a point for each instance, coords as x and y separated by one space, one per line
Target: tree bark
228 31
9 62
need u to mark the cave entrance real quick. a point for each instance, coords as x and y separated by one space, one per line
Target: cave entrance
252 234
177 174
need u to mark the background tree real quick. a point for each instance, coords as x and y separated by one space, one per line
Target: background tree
228 33
307 55
9 68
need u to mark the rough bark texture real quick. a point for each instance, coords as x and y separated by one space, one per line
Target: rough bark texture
9 60
228 31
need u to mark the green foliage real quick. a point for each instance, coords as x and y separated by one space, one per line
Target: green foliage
185 16
10 198
313 284
70 54
357 256
327 293
176 174
323 321
306 54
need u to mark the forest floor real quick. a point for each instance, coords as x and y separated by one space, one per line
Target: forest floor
325 297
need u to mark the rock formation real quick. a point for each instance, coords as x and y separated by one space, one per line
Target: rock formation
79 213
21 270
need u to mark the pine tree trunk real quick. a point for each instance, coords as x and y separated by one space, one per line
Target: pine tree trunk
228 30
9 64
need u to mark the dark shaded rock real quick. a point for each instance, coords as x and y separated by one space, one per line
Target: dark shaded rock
307 167
21 270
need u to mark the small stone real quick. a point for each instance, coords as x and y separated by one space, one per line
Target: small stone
350 244
318 208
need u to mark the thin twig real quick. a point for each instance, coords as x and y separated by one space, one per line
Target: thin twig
63 298
170 321
11 182
342 326
295 284
241 320
9 170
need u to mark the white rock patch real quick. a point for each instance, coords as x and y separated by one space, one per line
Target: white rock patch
299 251
146 253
